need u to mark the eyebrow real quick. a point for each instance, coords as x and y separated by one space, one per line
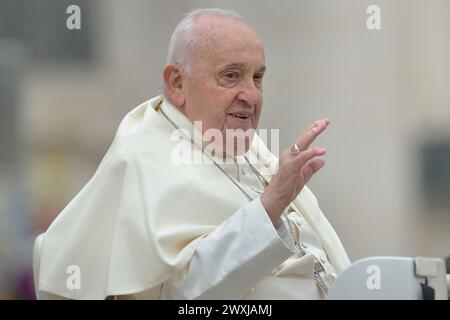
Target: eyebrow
241 65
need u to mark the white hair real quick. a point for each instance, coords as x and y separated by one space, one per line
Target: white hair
184 42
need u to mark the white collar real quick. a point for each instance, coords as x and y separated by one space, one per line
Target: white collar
183 122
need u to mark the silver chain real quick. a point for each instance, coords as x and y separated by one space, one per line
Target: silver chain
215 163
317 266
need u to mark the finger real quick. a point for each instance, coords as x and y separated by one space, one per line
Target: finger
315 124
305 156
311 167
310 135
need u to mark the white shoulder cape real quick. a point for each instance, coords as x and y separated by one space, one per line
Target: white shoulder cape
139 219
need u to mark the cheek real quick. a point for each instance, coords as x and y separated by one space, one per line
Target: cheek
217 102
214 117
222 105
258 112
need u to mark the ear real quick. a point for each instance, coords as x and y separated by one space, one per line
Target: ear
173 80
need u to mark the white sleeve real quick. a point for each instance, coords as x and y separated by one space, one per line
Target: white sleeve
234 257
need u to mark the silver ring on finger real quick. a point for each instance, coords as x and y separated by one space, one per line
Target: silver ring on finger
295 149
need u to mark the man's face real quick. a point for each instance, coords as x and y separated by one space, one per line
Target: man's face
224 89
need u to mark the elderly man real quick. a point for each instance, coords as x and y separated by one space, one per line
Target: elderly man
241 225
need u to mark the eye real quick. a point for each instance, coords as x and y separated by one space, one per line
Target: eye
229 78
231 75
258 77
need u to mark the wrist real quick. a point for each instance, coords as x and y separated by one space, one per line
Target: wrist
273 207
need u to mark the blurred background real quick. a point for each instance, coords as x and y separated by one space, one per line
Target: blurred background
386 185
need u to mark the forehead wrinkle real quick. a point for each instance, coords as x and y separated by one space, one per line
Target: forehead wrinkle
212 32
240 65
219 37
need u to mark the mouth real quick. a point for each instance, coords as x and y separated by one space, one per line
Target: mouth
240 115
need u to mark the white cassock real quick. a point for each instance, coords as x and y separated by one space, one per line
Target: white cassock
146 227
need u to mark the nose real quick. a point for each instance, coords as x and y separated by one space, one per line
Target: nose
250 93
